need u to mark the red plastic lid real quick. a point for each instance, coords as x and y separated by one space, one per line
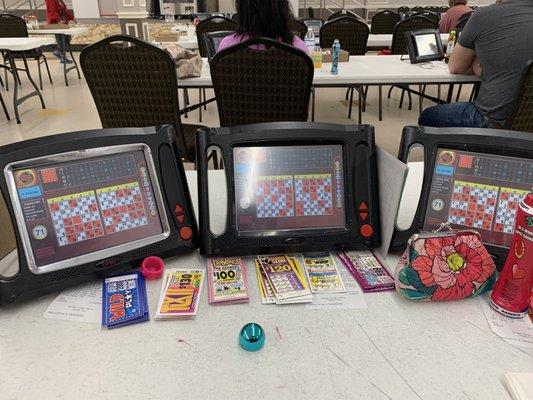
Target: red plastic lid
152 267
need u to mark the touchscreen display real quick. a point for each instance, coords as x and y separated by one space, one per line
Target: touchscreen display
289 188
426 45
74 208
480 192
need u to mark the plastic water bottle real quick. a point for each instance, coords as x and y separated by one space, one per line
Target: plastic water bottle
310 40
316 55
335 53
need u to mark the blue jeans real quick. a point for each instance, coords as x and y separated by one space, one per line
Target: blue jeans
461 115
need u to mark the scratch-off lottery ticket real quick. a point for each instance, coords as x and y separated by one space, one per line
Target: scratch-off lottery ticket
371 275
181 294
124 300
323 274
285 279
227 280
267 295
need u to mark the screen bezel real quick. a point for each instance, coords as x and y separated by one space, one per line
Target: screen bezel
417 58
281 233
78 155
464 149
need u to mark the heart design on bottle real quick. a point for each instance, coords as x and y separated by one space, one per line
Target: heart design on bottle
518 273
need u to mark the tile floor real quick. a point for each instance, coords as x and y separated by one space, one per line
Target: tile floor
71 108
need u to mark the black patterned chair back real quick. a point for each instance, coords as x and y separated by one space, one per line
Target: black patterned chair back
383 22
461 23
352 34
12 26
521 118
343 13
299 28
268 83
133 84
213 24
429 15
415 23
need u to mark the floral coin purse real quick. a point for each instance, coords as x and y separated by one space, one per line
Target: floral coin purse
442 266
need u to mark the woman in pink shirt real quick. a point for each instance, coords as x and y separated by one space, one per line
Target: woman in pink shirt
452 16
266 19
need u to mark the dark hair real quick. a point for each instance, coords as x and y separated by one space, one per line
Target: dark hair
266 18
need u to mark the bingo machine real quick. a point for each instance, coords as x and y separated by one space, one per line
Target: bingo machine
473 179
84 205
292 187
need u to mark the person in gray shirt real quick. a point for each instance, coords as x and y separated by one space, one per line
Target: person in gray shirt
496 44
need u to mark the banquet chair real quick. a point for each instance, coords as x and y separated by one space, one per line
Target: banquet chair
212 24
461 23
134 84
353 37
429 15
12 26
521 118
274 83
299 28
344 13
212 42
383 22
399 47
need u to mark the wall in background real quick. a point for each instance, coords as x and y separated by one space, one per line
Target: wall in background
86 8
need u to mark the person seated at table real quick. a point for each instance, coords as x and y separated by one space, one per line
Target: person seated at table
264 19
496 46
457 9
57 12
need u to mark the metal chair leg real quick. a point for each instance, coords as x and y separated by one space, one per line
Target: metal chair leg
350 106
459 92
410 100
401 98
390 91
380 102
40 74
47 69
200 108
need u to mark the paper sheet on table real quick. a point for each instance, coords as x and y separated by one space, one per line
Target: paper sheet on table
354 297
392 176
517 332
80 304
519 386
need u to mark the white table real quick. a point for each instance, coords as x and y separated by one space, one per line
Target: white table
73 31
9 45
70 32
365 70
374 41
368 71
395 349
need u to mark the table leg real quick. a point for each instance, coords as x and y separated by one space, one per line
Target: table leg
380 102
5 108
36 92
360 107
313 104
420 100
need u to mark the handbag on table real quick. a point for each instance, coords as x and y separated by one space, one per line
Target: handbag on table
188 63
445 265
